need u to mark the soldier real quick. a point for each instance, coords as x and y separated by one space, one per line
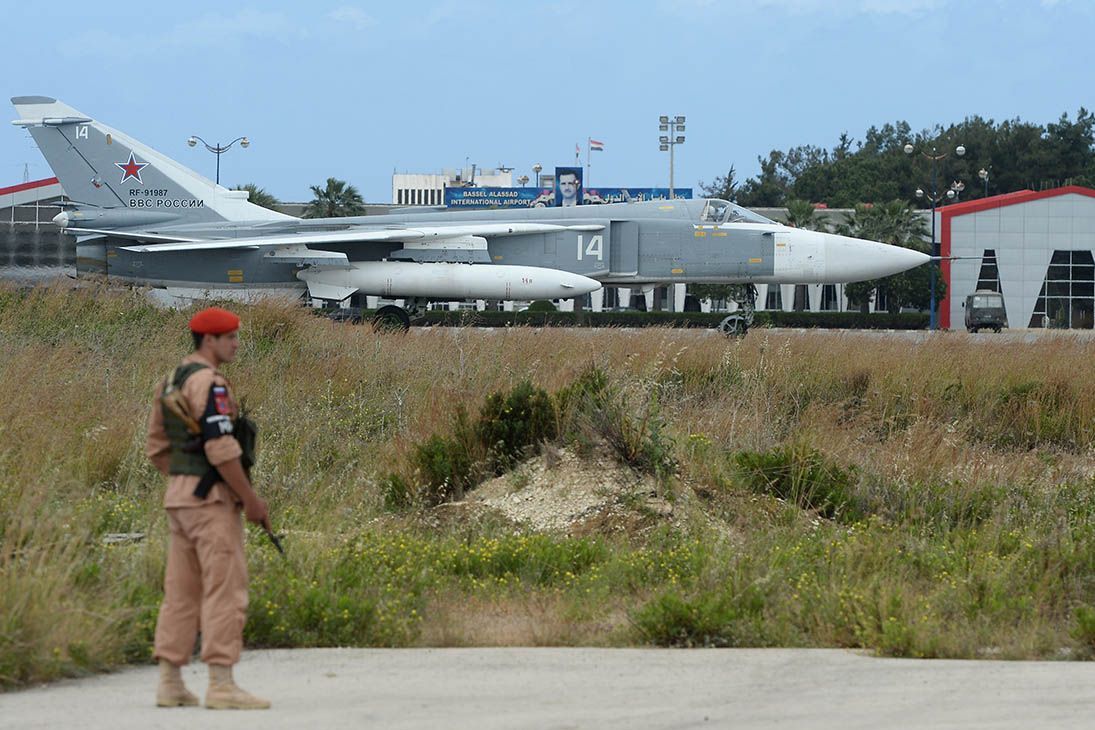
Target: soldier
192 439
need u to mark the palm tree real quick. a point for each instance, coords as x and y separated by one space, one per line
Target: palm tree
337 200
258 196
801 214
894 223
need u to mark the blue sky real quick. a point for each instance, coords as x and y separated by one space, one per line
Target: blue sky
358 90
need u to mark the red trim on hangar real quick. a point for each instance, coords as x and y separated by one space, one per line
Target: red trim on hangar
28 186
948 212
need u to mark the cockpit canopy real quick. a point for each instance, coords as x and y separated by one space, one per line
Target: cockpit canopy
717 212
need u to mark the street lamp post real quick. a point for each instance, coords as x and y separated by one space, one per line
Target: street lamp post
537 168
523 180
668 142
935 197
983 173
218 149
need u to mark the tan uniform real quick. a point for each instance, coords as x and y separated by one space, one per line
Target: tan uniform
205 586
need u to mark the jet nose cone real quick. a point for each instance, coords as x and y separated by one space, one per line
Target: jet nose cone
576 284
854 259
61 220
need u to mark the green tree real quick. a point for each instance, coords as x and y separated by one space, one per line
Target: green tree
258 196
897 224
1020 155
338 199
724 187
769 189
1070 147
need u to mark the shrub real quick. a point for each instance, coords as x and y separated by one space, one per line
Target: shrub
509 425
593 409
718 619
1084 629
582 395
341 601
803 477
397 493
445 466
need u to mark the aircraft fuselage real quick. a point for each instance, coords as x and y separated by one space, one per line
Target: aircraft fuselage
621 244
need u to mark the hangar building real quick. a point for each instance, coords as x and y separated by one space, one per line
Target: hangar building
1035 248
31 247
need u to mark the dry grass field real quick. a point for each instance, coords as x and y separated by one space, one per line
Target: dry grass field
930 498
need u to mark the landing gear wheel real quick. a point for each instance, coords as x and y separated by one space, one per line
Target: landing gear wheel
737 324
734 326
391 319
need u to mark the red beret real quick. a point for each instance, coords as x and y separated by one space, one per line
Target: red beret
214 321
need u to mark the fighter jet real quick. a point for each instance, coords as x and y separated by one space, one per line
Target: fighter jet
145 219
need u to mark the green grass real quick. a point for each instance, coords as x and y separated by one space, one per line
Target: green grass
933 499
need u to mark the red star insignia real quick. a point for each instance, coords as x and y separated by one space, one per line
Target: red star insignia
131 169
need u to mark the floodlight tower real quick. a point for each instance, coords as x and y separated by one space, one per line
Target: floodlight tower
668 142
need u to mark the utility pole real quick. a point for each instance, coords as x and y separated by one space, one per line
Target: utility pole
935 196
218 149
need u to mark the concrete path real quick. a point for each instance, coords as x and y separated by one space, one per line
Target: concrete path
483 689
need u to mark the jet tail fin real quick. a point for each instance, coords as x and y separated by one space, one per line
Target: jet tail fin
102 169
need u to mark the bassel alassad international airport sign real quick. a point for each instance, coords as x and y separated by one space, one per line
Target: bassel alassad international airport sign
568 191
545 197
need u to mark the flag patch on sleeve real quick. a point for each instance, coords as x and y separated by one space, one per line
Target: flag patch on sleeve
220 400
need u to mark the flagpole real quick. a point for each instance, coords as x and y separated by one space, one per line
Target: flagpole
589 162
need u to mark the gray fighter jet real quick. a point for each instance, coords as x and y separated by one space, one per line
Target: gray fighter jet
143 218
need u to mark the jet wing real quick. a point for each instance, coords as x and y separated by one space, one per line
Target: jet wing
130 235
411 235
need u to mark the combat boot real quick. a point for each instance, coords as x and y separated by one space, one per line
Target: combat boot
172 692
223 694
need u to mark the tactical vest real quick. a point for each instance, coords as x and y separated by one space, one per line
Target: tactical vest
187 451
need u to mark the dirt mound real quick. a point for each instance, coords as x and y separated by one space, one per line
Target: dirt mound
560 491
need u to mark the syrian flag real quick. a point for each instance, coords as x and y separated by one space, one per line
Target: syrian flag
595 146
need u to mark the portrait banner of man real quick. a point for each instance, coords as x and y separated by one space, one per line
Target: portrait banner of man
568 186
